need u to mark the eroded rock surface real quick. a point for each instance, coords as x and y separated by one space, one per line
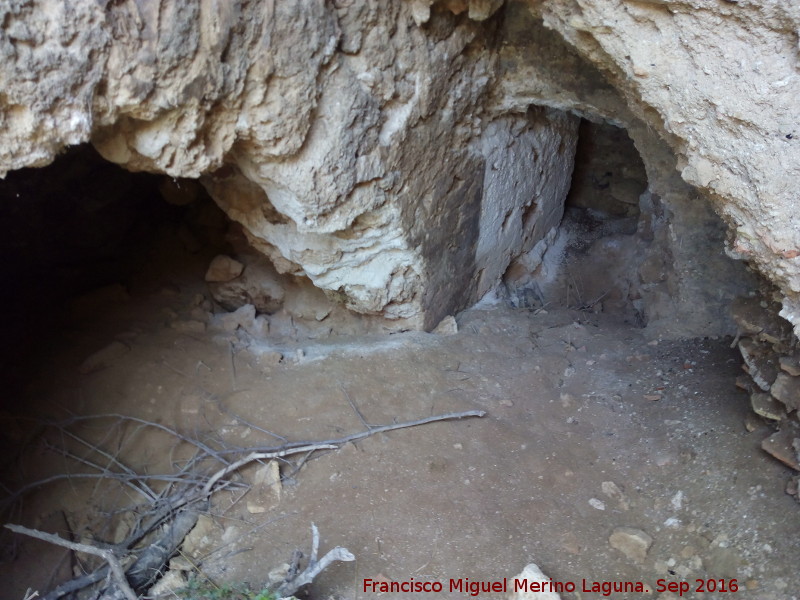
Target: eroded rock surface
401 154
718 82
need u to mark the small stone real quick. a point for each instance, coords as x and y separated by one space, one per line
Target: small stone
612 490
633 543
766 406
170 585
446 326
752 422
279 574
260 285
267 489
179 563
104 358
531 574
751 584
420 11
761 361
677 500
756 319
598 504
223 268
793 487
787 389
201 538
779 445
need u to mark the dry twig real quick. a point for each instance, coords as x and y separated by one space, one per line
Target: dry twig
376 429
314 566
107 555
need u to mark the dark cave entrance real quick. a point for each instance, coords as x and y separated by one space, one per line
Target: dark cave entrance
83 235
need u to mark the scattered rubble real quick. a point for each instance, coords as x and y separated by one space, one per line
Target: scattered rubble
770 352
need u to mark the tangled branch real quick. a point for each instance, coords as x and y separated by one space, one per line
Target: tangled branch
174 510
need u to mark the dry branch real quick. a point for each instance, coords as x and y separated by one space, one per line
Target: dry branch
177 505
150 563
314 567
105 554
280 453
354 437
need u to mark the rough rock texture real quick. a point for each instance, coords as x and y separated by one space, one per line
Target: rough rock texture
400 154
718 82
677 226
770 352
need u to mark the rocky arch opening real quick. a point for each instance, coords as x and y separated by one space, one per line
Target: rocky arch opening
636 240
593 261
86 239
90 245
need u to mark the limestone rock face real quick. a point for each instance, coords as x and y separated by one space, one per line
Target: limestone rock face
402 153
718 82
351 143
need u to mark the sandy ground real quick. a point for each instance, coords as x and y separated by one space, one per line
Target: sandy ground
589 427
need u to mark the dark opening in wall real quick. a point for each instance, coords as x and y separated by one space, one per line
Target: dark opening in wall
609 174
601 219
592 261
85 227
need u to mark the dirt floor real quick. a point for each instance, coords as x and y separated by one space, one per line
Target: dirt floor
589 427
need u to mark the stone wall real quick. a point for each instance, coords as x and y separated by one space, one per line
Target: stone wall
401 154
